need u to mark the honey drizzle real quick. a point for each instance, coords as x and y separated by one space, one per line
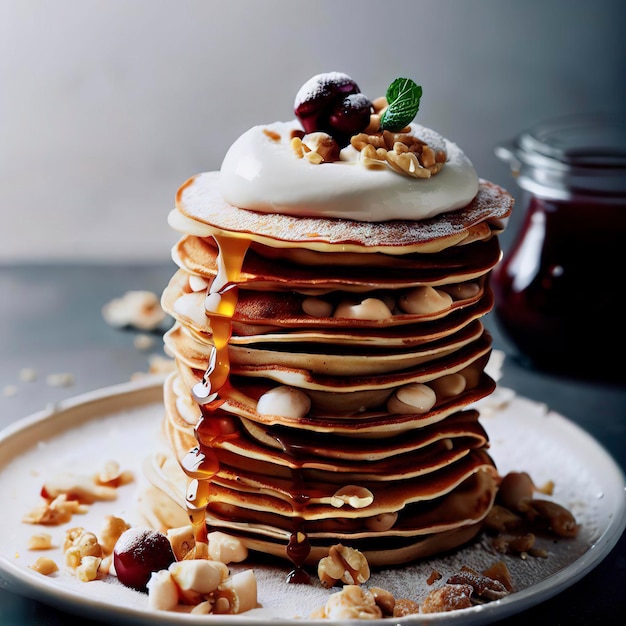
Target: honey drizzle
201 464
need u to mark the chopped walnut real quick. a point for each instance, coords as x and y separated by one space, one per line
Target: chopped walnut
403 152
352 602
500 572
384 599
447 598
111 531
404 606
343 564
434 577
79 543
54 512
483 586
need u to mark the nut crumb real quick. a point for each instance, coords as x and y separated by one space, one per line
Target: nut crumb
41 541
45 566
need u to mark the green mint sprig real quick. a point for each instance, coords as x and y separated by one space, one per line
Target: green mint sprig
403 97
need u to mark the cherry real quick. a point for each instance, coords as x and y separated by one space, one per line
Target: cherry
332 103
351 115
137 553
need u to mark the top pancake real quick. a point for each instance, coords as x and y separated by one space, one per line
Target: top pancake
201 210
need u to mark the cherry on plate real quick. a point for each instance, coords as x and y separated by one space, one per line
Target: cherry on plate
139 552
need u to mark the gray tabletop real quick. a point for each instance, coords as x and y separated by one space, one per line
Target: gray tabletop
51 322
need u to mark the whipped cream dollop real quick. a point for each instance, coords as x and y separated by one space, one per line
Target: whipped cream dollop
260 172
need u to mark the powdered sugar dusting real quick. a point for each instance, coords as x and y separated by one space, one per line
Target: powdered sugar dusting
200 199
315 88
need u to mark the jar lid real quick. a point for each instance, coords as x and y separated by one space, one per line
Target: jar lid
581 155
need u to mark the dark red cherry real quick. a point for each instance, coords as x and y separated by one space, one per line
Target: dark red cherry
139 552
350 115
329 95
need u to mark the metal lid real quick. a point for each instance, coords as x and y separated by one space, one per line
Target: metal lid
582 155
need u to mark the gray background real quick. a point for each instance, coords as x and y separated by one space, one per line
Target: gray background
107 106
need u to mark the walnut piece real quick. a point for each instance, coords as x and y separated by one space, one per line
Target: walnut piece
447 598
343 564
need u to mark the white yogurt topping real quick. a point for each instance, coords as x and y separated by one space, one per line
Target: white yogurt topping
263 174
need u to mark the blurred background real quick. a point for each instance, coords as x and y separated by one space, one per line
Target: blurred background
107 106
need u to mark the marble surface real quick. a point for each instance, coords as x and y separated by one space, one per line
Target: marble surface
51 323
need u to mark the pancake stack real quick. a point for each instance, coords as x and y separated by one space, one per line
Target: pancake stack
325 375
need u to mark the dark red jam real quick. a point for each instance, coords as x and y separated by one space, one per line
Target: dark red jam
558 289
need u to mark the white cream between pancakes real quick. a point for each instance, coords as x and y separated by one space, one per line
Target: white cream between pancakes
326 367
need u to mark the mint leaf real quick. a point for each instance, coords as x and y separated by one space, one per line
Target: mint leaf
403 97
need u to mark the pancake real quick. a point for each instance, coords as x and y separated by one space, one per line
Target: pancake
327 367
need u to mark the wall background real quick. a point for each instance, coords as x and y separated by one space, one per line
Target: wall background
107 106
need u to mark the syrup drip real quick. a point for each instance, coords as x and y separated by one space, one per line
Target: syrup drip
298 548
201 463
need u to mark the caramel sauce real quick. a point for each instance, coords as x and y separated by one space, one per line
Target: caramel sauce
201 463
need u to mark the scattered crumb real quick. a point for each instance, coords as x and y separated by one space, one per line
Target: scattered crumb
143 342
62 379
44 566
41 541
434 577
28 375
9 390
138 309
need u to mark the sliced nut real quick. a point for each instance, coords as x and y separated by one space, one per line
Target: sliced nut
424 300
448 386
462 291
412 399
368 309
316 307
352 495
284 401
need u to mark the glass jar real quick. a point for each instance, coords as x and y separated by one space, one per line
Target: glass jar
559 290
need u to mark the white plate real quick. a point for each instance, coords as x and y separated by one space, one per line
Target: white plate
122 423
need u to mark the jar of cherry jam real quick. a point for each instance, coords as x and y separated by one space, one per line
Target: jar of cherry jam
559 291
